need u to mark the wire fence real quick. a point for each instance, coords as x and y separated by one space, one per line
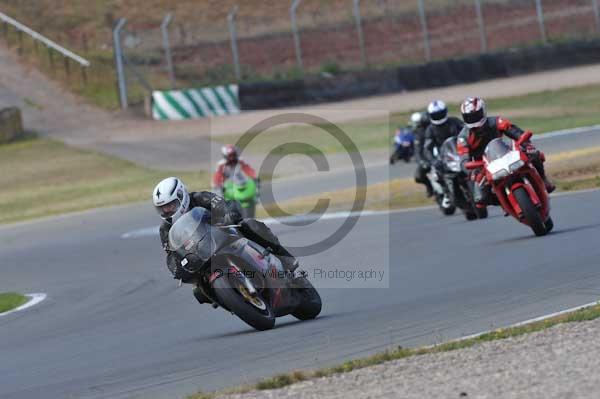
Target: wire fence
337 36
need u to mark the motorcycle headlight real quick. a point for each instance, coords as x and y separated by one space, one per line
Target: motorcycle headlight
500 174
517 165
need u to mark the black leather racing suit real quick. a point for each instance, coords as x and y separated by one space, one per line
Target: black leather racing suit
472 143
422 163
225 212
435 135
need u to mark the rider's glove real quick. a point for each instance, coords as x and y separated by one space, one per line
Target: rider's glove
529 148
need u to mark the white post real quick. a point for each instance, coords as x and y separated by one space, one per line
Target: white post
359 30
119 62
164 27
233 38
293 9
423 18
481 23
540 15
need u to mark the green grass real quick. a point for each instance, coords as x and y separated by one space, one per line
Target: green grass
286 379
11 300
45 177
539 112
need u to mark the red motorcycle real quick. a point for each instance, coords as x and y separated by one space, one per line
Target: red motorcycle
516 183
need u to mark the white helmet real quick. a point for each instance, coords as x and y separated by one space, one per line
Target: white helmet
438 112
416 119
171 199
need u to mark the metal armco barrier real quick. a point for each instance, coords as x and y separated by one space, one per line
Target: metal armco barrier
195 103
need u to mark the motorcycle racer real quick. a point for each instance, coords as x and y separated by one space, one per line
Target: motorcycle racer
479 130
441 128
227 166
419 122
171 200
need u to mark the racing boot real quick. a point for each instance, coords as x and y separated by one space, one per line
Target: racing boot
550 187
290 263
538 162
429 188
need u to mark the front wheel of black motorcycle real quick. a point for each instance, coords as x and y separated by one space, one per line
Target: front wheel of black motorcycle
252 309
470 215
448 210
311 304
482 213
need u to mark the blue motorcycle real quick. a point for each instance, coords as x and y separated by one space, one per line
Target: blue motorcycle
404 145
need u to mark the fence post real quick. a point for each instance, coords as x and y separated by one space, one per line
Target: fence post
164 28
118 51
83 76
596 13
540 15
359 30
426 42
20 35
481 23
67 67
50 59
293 9
233 38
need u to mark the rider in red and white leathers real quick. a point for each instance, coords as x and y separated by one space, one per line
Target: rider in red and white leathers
479 130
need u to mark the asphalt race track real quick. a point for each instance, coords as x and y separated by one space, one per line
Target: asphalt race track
116 325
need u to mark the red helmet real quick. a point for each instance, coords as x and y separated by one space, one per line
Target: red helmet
473 112
230 153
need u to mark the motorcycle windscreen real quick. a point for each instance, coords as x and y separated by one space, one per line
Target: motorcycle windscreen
496 149
449 154
191 234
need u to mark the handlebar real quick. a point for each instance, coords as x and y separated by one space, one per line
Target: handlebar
524 137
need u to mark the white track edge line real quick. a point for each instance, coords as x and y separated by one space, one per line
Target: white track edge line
35 299
523 323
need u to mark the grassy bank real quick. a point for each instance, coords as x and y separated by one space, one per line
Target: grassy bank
10 301
539 112
45 177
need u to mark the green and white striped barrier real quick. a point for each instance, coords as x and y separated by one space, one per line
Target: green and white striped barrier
195 103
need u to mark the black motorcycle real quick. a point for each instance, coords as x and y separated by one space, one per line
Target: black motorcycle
457 182
239 275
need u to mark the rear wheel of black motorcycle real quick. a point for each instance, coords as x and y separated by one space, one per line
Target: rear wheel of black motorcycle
259 316
311 302
530 213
